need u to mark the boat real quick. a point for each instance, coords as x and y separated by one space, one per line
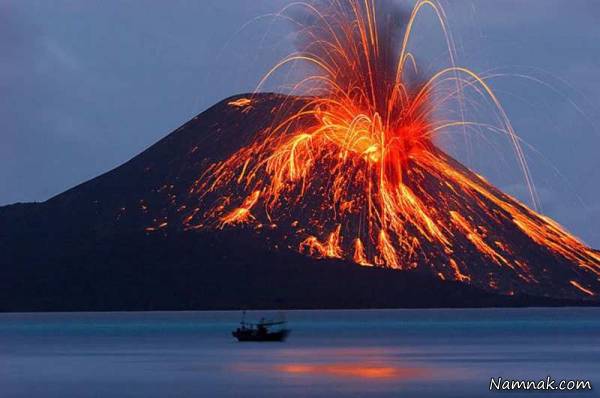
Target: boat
264 330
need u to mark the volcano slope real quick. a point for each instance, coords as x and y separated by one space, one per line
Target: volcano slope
151 234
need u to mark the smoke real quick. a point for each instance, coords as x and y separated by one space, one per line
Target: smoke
342 25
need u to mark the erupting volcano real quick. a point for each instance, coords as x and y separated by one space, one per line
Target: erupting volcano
337 194
351 169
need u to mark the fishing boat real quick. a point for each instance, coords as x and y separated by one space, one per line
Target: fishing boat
264 330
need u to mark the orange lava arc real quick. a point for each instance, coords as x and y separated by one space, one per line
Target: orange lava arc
350 169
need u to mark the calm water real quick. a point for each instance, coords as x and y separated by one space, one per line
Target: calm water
373 353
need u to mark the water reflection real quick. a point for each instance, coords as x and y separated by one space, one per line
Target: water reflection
360 363
352 370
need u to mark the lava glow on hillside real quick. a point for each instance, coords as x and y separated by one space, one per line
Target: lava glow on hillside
353 171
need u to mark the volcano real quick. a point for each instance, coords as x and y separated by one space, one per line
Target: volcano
141 237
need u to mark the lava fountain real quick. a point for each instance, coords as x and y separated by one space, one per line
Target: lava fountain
350 169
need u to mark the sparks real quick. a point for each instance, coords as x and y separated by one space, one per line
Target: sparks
349 169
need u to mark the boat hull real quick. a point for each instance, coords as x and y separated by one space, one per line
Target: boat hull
253 335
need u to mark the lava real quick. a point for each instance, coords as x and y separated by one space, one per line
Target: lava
241 214
352 168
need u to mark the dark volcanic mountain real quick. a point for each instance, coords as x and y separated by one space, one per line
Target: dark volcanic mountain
124 240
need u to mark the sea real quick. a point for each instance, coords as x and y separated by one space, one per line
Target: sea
329 353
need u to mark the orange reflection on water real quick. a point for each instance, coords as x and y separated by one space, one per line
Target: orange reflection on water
352 370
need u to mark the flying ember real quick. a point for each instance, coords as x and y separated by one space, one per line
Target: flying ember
351 170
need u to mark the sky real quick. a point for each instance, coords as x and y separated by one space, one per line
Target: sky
86 85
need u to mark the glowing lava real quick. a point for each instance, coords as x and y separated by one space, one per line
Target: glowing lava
351 169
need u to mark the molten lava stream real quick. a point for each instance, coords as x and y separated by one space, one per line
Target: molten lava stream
352 170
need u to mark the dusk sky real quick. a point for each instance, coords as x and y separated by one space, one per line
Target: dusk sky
86 85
